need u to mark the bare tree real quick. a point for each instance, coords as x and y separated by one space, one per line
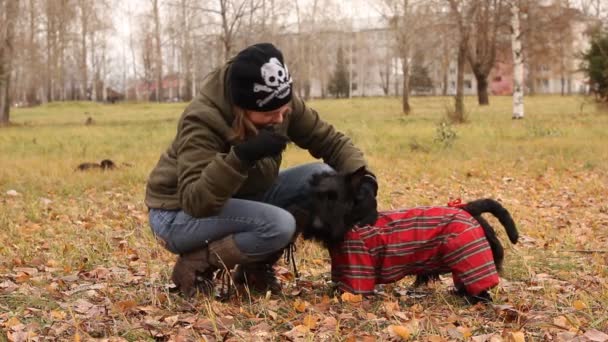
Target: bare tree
462 12
158 55
8 17
401 17
481 52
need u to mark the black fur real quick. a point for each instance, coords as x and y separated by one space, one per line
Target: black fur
332 216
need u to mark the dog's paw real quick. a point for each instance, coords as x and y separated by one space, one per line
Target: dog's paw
483 297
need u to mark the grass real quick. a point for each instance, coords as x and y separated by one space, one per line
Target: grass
77 259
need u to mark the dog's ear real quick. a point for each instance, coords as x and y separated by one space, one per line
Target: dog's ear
353 180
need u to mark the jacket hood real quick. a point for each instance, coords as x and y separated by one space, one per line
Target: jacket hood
215 92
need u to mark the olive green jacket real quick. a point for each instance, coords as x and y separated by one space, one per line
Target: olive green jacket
199 171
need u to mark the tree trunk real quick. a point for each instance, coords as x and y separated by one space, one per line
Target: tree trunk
406 87
458 115
518 63
83 48
159 55
482 89
7 35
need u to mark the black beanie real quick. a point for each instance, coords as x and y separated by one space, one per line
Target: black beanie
259 79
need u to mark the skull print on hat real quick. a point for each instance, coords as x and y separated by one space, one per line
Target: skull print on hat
259 79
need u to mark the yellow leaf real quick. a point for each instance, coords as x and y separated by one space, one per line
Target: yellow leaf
516 336
579 305
310 321
299 305
466 332
77 337
58 315
14 321
413 325
351 298
417 308
399 331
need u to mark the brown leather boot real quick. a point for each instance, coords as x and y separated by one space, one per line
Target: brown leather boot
259 276
194 271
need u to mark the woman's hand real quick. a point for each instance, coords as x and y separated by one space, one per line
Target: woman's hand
266 143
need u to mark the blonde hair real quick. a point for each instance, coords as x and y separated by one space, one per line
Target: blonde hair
241 125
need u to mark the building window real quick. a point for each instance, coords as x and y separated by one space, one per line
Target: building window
468 84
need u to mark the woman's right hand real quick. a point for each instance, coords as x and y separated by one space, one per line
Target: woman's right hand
266 143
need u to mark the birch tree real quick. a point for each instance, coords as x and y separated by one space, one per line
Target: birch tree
518 61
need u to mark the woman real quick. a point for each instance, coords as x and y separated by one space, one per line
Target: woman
216 196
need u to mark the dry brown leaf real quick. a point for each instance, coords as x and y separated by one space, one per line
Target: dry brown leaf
310 321
329 324
12 322
272 314
299 305
596 336
22 277
351 298
515 336
297 332
125 305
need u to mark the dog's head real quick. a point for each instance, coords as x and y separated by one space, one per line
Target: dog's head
333 208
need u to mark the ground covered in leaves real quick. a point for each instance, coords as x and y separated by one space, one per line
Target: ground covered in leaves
78 262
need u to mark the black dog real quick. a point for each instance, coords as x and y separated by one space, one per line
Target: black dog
332 216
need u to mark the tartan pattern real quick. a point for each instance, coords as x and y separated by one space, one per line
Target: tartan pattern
414 241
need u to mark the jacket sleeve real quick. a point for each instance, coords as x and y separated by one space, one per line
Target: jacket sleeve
322 140
207 178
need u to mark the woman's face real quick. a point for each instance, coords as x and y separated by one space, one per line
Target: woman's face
264 119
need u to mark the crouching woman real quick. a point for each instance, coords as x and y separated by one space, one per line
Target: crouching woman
216 196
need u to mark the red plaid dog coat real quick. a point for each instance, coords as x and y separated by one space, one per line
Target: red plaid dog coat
415 241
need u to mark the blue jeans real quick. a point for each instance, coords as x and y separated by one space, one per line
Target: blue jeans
260 226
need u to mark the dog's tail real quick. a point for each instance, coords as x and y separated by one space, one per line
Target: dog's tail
488 205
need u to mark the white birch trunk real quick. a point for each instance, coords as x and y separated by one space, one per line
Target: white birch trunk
518 63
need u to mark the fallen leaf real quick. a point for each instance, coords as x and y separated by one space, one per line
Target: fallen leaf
329 324
298 332
596 336
579 305
299 305
272 314
57 315
12 322
310 321
351 298
399 331
125 305
515 336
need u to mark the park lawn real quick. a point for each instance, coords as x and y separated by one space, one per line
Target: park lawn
78 261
